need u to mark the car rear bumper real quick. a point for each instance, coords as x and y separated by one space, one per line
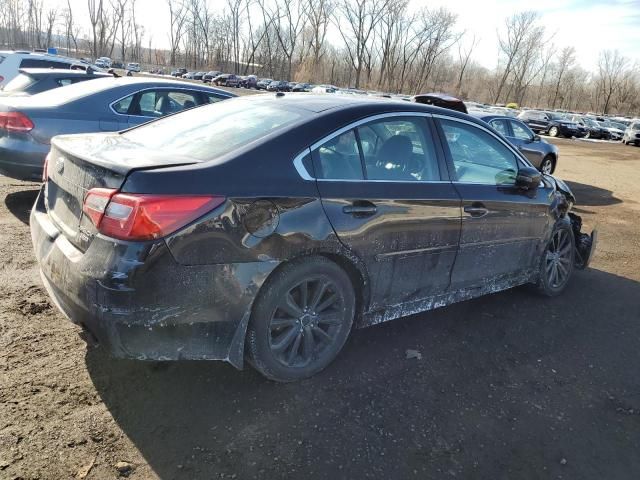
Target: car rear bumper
22 159
138 302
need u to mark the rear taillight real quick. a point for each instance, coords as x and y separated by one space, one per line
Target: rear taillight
129 216
15 122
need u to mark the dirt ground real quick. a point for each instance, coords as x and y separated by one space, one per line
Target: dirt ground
508 386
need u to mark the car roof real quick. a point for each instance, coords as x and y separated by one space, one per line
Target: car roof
63 71
491 116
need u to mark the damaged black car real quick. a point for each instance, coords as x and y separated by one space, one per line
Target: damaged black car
268 228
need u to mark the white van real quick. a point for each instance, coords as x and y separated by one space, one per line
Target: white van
12 61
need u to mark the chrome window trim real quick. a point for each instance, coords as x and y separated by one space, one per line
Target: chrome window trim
303 171
159 88
372 118
297 163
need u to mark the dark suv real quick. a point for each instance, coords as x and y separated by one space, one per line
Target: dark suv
279 86
550 123
226 80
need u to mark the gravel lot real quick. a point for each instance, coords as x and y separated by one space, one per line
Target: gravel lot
508 386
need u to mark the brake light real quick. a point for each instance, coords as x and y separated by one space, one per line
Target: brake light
144 217
15 122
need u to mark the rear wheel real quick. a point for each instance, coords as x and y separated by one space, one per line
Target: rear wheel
557 263
553 132
301 319
547 165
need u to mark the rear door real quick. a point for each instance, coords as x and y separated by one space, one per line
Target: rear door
149 104
502 225
384 189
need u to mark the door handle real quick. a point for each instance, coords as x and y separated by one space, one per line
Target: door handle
476 210
360 209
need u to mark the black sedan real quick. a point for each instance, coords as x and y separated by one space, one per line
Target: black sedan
35 80
541 154
551 123
279 86
271 226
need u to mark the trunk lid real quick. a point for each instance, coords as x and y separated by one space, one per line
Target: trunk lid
78 163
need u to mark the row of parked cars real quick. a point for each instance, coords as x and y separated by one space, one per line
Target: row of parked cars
569 124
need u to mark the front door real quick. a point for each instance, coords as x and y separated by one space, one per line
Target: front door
384 189
524 139
502 226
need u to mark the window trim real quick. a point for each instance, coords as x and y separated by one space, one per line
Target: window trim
146 89
305 175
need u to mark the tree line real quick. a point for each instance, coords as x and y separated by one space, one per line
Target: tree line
382 45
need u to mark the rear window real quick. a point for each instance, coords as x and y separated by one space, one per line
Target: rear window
214 130
19 83
73 92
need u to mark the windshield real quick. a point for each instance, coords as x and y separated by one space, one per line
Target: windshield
19 83
590 122
555 116
211 131
635 126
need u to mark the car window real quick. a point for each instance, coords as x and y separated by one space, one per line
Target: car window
339 158
213 98
521 131
122 106
500 125
19 83
477 156
635 126
398 149
213 130
62 82
40 63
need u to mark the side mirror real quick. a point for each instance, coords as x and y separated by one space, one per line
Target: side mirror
536 138
528 178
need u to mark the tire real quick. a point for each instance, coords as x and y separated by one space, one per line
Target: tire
301 319
587 135
553 132
548 165
557 262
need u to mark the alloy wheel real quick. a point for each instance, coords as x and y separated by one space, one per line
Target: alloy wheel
553 131
547 166
558 258
306 322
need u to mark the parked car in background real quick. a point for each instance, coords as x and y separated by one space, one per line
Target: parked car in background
302 87
103 62
279 86
249 81
119 65
226 80
632 134
170 241
189 75
591 127
324 89
616 132
263 83
178 72
199 75
541 154
549 123
12 61
440 100
35 80
210 76
133 67
27 124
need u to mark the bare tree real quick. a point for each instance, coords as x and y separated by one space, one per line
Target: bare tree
611 66
566 61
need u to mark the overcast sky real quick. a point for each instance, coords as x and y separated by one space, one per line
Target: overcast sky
588 25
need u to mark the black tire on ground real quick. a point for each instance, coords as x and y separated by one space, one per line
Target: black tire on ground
553 132
557 262
587 135
301 319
